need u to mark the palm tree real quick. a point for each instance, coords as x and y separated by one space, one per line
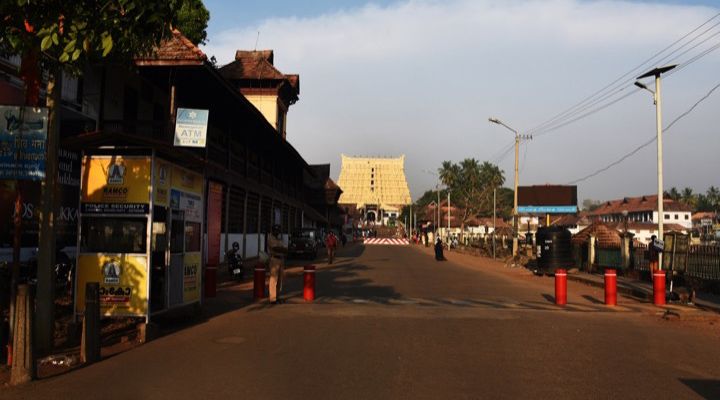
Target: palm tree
689 198
673 194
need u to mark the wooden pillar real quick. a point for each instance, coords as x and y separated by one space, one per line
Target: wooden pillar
23 363
245 207
227 219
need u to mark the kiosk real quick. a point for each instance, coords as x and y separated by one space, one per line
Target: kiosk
140 234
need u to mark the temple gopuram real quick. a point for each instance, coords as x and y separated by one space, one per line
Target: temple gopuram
374 189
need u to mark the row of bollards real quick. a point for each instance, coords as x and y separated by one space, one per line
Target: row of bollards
610 287
259 292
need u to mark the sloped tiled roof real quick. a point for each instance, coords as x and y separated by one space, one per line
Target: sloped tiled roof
606 236
175 50
638 204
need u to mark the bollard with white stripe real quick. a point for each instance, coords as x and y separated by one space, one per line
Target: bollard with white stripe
659 287
561 287
610 287
309 283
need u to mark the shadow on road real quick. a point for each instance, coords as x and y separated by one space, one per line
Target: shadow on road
707 388
549 298
592 299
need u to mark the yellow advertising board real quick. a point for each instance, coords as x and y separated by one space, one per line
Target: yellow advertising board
187 181
123 282
116 185
191 277
162 180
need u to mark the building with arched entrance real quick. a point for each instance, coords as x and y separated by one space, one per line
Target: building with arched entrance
374 189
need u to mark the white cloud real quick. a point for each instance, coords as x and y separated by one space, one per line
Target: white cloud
421 78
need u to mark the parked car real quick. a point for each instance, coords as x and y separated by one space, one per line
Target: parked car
303 242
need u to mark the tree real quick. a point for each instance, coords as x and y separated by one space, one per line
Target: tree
66 36
471 186
192 20
689 198
673 194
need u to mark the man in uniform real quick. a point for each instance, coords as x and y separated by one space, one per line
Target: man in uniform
277 252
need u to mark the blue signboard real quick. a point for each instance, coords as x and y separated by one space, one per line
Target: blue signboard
547 209
23 134
191 127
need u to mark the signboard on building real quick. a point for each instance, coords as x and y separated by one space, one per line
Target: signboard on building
191 127
23 134
547 199
116 185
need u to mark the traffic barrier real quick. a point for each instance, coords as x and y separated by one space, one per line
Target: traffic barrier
259 283
560 287
309 283
610 287
659 288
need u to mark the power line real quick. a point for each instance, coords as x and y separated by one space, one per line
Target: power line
613 88
647 143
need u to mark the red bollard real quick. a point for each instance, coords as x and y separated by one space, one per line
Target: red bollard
259 283
659 287
610 287
309 283
561 287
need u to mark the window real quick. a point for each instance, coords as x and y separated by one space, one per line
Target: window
667 216
676 216
687 217
113 235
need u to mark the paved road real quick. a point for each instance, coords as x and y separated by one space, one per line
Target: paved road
391 323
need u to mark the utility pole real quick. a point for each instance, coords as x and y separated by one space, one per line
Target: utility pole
657 98
518 137
448 232
494 213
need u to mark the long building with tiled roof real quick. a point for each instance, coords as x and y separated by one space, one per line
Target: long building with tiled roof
644 209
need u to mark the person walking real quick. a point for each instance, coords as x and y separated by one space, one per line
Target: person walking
277 251
330 244
439 256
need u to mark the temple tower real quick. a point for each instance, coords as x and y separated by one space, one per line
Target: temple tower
375 188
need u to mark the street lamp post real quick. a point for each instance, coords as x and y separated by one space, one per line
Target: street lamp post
518 137
658 121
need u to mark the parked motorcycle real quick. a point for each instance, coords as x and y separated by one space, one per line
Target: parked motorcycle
235 262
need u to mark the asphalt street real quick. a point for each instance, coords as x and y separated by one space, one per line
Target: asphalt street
390 322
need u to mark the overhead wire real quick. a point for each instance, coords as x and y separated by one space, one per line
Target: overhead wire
617 86
647 143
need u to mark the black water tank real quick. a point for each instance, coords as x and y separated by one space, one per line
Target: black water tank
554 249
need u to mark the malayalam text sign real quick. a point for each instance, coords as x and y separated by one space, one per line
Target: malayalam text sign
23 134
191 127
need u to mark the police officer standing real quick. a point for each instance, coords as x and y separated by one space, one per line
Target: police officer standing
277 251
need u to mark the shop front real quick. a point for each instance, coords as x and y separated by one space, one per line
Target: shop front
140 236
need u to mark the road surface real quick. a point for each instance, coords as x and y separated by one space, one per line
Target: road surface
392 323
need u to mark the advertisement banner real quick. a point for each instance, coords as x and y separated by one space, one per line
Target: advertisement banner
23 133
116 185
161 186
191 277
186 193
191 127
123 282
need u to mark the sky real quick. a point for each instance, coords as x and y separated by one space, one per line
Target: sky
422 77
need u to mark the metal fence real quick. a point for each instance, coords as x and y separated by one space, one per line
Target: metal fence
703 262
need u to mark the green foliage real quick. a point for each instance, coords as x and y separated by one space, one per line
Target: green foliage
70 34
192 20
471 185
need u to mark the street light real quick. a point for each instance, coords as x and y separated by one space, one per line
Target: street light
518 137
657 98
